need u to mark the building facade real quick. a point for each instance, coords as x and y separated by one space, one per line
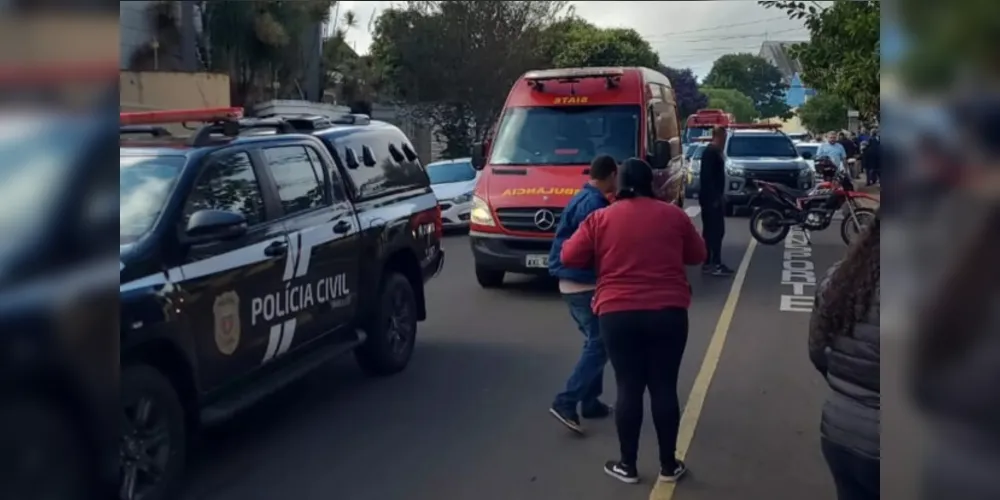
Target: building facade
777 53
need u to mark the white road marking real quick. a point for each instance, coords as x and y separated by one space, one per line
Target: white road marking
693 211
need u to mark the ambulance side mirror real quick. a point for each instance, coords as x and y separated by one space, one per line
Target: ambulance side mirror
206 226
479 156
660 157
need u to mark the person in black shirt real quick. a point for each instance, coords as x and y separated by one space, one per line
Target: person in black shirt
712 198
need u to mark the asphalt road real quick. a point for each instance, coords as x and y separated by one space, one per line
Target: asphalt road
468 419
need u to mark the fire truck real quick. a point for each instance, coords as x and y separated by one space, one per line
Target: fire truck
700 124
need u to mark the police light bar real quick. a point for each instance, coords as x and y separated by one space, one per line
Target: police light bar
537 78
207 115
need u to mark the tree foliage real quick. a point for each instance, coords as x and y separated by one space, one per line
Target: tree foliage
689 97
575 43
823 113
732 101
455 60
755 78
949 41
259 44
843 53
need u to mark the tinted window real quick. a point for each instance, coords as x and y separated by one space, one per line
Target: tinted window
773 146
145 183
300 184
807 149
335 180
569 135
443 173
388 174
228 184
692 133
697 151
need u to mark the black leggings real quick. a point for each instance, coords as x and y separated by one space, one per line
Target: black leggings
645 349
713 230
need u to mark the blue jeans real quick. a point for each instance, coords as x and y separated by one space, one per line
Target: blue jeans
586 383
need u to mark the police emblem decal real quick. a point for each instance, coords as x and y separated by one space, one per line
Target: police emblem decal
227 322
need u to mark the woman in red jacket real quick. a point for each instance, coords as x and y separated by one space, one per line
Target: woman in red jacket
639 247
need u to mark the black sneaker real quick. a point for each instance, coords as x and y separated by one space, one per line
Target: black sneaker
569 419
597 412
621 471
708 269
673 475
722 270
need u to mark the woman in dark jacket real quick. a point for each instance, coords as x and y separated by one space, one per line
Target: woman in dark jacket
844 346
639 247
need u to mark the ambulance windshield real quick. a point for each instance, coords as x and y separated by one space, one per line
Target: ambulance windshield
566 135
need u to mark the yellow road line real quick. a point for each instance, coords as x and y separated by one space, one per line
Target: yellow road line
699 391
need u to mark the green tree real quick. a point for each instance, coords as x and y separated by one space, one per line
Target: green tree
689 97
455 60
755 78
843 53
950 40
823 113
258 43
575 43
732 101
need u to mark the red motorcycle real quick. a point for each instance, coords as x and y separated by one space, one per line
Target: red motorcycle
778 208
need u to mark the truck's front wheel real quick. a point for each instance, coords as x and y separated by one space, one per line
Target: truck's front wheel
489 278
392 332
153 435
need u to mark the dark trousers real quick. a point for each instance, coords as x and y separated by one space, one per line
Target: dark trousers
856 477
872 175
586 383
713 229
646 348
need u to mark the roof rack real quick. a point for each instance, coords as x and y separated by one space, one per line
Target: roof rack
144 130
536 79
227 122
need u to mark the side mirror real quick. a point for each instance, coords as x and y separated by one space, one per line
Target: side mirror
661 155
479 156
206 226
806 155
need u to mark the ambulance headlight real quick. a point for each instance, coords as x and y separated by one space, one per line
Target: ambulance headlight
480 213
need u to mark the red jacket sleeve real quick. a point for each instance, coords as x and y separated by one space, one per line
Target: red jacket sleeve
578 251
695 251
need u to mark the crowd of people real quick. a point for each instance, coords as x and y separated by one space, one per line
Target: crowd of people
865 148
625 284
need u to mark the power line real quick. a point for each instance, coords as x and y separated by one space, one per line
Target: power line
731 37
717 27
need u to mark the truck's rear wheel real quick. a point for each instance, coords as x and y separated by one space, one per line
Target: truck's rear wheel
489 278
392 332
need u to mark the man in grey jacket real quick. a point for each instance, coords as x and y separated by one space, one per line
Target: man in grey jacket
844 345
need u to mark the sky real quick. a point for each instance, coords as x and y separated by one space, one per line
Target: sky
686 34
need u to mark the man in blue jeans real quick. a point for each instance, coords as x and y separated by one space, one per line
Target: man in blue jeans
586 383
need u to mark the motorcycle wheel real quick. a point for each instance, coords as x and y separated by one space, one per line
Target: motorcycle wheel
766 226
850 232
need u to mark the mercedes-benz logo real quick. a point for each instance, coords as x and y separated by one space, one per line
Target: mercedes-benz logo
545 219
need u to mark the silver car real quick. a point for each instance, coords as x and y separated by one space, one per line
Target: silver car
766 155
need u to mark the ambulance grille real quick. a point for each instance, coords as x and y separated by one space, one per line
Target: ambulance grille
523 219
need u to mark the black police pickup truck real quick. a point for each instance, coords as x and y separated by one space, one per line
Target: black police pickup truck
251 253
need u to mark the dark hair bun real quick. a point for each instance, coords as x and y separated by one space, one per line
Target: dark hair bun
635 178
